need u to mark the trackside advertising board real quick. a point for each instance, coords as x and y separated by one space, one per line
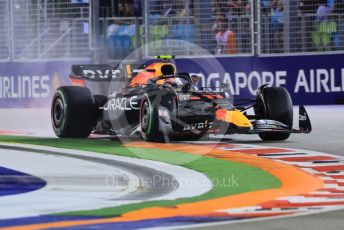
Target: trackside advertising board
31 84
311 80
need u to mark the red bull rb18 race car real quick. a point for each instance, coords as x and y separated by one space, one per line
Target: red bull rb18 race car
160 104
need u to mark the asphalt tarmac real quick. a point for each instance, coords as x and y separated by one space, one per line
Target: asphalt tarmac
327 134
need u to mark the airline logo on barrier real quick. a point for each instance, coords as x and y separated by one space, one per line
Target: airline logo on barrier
122 104
24 87
304 80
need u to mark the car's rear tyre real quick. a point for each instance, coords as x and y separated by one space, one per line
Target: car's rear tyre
149 121
73 112
274 103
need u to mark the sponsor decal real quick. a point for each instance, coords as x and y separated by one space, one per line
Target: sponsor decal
101 74
224 104
183 97
271 124
164 115
302 118
122 103
107 74
197 126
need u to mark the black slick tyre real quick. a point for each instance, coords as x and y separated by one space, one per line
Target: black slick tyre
149 121
274 103
73 112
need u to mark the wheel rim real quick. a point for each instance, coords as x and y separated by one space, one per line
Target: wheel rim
58 113
145 117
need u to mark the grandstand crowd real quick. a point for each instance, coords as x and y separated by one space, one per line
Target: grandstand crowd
222 27
314 25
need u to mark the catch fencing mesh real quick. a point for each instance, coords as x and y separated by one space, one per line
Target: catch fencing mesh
4 31
301 26
59 29
187 27
42 29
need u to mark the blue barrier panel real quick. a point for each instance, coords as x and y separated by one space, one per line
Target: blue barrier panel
312 80
316 79
31 84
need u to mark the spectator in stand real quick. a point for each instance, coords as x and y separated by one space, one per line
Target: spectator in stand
248 7
308 6
245 32
121 33
265 6
184 9
129 9
225 38
323 12
219 7
138 7
120 9
276 25
325 36
236 7
161 8
308 10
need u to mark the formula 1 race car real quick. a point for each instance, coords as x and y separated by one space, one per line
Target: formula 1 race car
158 103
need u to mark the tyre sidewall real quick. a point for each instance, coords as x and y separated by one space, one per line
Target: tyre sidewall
59 131
274 103
152 132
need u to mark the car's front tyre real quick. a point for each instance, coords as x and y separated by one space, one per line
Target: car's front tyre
274 103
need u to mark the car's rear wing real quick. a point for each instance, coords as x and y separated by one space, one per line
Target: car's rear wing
95 72
103 73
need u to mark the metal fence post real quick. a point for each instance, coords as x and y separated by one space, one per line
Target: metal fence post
146 29
255 30
286 25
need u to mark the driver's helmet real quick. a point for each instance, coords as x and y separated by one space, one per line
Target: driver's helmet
154 70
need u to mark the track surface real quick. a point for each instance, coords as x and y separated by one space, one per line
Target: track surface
326 137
